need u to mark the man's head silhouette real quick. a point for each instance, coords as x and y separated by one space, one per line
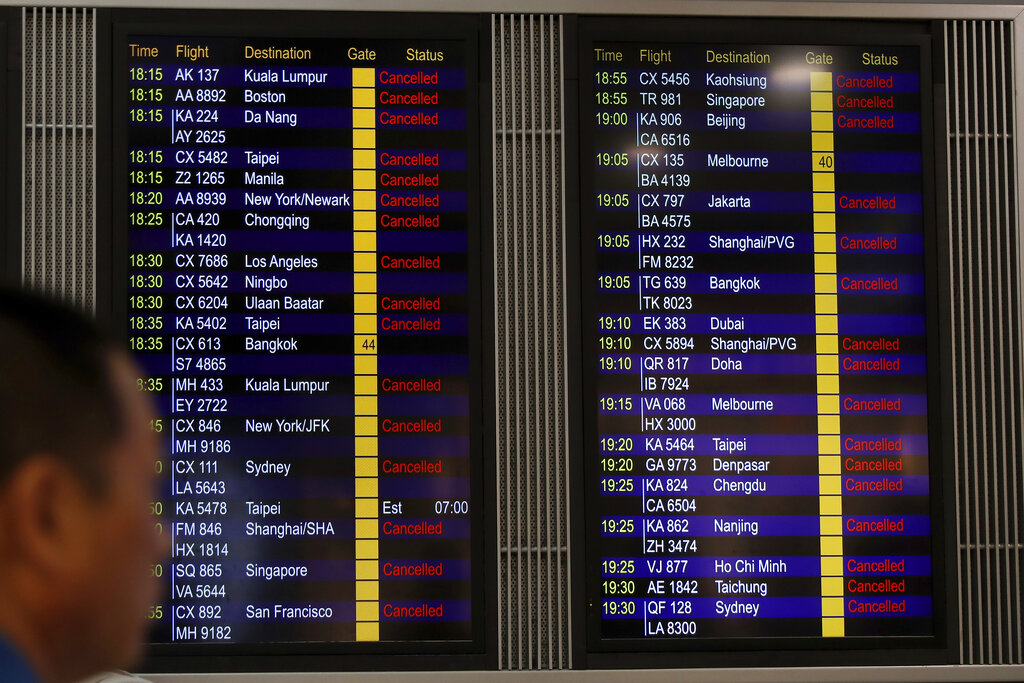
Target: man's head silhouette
77 475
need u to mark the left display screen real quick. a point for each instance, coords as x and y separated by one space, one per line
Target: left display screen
298 277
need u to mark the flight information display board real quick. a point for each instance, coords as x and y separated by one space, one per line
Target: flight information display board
300 279
755 232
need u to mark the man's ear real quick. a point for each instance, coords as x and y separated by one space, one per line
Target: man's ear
44 511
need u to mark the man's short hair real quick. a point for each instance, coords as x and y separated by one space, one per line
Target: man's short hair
56 394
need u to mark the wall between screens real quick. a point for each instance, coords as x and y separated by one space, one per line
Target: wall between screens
58 246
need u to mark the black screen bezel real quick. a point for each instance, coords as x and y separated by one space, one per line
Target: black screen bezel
590 650
112 27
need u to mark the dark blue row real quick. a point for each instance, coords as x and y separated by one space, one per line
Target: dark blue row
758 202
769 444
741 567
650 241
782 404
769 323
336 77
333 158
256 363
280 405
875 163
297 241
769 608
771 364
766 283
182 118
769 485
294 200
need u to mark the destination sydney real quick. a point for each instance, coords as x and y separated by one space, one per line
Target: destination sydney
297 293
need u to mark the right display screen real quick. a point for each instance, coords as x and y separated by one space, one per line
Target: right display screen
754 236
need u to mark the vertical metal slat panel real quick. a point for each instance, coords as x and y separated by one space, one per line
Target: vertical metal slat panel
58 148
988 387
529 234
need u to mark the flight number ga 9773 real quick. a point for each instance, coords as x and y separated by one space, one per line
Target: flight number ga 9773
670 463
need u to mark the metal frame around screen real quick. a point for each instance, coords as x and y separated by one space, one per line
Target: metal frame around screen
112 27
720 652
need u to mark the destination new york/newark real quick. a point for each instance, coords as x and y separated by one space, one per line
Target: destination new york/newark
298 199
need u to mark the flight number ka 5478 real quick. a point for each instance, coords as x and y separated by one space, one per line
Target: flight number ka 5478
200 508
